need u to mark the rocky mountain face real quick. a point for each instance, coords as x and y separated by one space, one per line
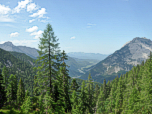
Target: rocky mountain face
131 54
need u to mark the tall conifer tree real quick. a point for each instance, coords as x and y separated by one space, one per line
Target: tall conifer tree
20 93
5 74
82 99
48 66
3 98
90 92
11 89
65 81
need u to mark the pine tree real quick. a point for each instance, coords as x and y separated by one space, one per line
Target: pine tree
146 94
5 74
105 89
96 94
133 101
74 100
14 89
35 94
47 61
90 92
27 105
119 96
74 86
11 89
48 103
82 99
65 81
20 93
3 98
111 98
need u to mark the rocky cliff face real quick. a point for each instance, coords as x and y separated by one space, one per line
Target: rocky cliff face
131 54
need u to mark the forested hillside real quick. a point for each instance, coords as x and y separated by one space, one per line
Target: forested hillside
52 92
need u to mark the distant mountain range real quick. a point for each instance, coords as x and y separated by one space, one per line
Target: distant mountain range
8 46
76 65
121 61
32 52
82 55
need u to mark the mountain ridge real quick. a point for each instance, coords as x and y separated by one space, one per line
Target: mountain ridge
122 60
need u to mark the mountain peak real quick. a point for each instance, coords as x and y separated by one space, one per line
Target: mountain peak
8 43
137 39
140 38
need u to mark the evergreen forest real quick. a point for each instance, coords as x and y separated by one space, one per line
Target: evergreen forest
52 91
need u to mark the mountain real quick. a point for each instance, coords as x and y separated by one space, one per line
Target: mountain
8 46
76 65
121 61
82 55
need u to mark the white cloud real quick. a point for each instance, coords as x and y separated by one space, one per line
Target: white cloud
5 18
4 9
31 7
72 37
90 25
30 21
39 13
21 5
9 25
37 34
15 34
32 29
44 21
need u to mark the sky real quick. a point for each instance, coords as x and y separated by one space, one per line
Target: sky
90 26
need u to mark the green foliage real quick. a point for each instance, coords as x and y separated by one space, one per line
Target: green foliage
20 93
27 105
3 98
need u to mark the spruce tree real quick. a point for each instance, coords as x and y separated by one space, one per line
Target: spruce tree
14 89
74 101
20 93
146 94
5 74
11 89
47 61
74 86
64 76
111 99
90 92
27 105
119 96
96 94
82 99
3 98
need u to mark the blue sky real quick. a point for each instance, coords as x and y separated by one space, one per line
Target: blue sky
90 26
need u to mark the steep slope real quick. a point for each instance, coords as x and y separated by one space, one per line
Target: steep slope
23 57
120 61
